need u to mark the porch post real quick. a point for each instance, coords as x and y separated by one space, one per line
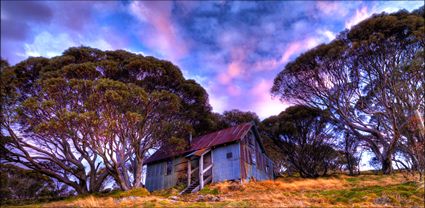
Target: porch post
201 172
189 171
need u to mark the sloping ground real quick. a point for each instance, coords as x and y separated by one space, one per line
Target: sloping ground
338 191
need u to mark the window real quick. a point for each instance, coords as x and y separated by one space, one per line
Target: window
229 155
169 167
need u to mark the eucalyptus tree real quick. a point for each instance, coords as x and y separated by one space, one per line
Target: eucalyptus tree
236 117
112 123
304 137
88 114
370 78
352 153
124 123
33 132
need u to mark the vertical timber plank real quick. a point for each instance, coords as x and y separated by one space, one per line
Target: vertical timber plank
201 170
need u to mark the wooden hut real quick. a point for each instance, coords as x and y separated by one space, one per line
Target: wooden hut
234 153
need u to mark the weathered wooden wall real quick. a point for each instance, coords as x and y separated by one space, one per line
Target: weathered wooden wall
156 177
226 168
254 161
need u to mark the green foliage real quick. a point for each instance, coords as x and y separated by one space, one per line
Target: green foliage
353 180
303 137
232 118
3 64
148 73
208 190
236 117
141 192
170 191
149 204
81 71
398 194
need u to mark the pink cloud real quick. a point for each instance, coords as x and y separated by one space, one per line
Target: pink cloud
164 35
235 69
234 90
257 98
360 15
291 50
264 104
331 8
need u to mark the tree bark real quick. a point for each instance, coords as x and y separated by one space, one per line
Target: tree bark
387 167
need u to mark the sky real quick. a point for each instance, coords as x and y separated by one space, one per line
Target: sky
233 49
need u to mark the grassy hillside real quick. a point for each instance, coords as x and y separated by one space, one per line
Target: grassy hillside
336 191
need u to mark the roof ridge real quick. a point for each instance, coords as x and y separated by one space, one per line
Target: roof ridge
223 129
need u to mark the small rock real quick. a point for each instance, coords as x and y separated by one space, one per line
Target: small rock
129 198
216 198
174 198
207 198
382 200
200 198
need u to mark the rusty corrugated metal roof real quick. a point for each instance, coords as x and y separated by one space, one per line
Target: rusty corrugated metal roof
203 142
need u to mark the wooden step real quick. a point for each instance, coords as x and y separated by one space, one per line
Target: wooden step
190 188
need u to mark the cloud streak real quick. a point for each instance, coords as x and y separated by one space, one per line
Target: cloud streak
163 35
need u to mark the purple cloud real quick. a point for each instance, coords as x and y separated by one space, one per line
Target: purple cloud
234 49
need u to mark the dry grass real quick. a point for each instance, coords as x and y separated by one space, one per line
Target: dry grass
337 191
92 201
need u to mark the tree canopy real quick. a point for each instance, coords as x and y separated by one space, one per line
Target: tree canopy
370 79
90 114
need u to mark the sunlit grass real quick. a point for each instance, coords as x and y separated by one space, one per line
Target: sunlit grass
335 191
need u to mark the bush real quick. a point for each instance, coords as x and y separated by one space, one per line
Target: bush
133 192
208 190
